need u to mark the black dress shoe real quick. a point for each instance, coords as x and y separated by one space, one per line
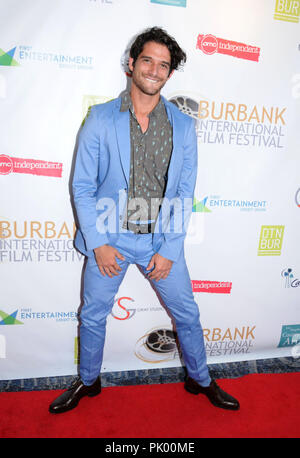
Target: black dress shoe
70 398
215 394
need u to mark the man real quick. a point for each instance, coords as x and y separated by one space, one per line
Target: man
136 155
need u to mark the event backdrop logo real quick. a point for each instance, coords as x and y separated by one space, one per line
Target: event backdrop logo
287 10
204 286
210 44
58 316
170 2
122 312
229 341
9 164
157 346
29 54
160 344
289 280
270 241
200 206
215 202
9 319
37 241
242 124
236 124
186 104
7 58
290 335
125 313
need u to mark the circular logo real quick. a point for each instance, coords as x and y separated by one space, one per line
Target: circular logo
297 198
161 341
186 105
157 346
209 44
128 312
6 164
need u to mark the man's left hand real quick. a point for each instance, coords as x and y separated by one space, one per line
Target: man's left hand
162 267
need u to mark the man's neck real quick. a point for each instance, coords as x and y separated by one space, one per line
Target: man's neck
143 104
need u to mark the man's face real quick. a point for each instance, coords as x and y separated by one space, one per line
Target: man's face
151 69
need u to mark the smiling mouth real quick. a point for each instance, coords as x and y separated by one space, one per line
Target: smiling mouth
151 80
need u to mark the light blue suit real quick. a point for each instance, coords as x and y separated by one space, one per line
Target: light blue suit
100 185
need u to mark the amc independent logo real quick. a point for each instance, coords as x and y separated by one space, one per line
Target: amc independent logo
10 164
204 286
210 44
287 10
270 241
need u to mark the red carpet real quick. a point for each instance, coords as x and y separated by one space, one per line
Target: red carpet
270 408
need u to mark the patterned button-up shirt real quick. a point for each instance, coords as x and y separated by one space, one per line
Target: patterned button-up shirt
150 157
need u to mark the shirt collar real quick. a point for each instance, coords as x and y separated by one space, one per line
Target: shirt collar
126 104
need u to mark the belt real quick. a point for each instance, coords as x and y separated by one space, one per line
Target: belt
146 228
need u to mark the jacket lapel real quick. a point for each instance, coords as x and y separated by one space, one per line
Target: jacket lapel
122 129
175 162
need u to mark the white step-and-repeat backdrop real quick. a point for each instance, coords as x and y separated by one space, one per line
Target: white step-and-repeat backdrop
242 85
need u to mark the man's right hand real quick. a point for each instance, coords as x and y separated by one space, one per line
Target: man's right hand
106 259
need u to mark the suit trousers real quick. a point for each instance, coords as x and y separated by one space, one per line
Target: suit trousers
176 292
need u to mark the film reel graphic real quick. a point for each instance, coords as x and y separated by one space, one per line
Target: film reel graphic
157 345
161 341
186 104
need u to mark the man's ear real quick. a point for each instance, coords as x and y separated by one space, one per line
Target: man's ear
130 64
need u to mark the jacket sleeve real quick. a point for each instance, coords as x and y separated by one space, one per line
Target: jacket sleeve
85 181
173 237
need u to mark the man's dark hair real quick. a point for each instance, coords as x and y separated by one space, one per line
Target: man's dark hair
158 35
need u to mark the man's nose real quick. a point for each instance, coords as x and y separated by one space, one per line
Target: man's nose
153 70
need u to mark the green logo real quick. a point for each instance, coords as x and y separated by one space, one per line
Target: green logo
9 319
287 10
270 241
290 335
90 100
199 206
7 58
76 350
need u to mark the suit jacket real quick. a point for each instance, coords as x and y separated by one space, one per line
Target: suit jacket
101 179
